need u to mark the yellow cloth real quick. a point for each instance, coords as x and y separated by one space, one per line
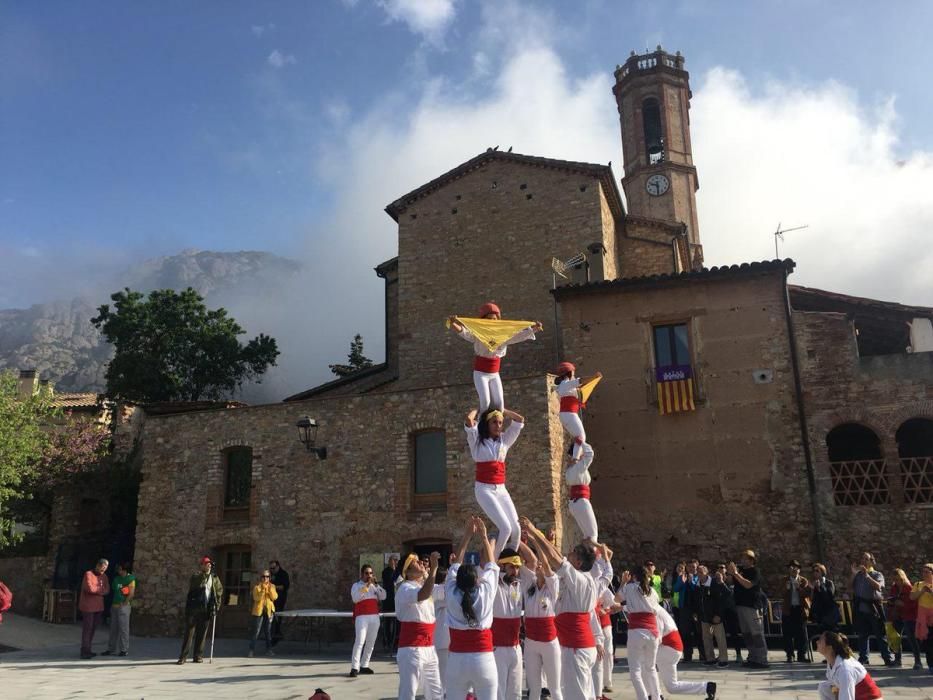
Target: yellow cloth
675 396
894 637
515 559
587 389
490 332
263 597
409 560
926 599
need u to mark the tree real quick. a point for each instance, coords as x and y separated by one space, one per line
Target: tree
170 347
356 360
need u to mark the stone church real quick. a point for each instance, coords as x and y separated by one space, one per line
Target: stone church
736 409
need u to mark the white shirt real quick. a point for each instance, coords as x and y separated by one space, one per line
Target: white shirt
637 602
577 590
407 606
845 674
541 602
666 623
441 634
492 449
483 350
569 387
362 590
208 582
487 582
579 472
508 602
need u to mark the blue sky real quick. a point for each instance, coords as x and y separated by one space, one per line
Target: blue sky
129 130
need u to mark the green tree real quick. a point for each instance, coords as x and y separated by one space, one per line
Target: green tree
356 360
171 347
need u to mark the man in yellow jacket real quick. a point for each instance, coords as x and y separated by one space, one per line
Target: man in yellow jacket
264 597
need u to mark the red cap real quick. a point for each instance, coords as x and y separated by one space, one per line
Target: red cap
564 368
488 308
206 560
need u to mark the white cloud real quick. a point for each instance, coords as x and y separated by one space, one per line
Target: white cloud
277 59
430 18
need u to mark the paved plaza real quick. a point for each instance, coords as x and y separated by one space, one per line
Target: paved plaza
48 667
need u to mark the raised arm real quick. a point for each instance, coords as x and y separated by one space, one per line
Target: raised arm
455 324
513 415
468 533
486 554
427 590
547 550
470 419
528 556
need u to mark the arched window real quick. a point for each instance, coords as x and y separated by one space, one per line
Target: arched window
238 482
856 467
654 134
429 476
915 448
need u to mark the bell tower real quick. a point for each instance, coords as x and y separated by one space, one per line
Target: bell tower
652 93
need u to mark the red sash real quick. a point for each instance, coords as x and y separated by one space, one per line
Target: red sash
643 621
367 606
416 634
574 631
490 472
866 689
505 631
672 640
569 404
579 491
540 629
604 619
490 365
468 641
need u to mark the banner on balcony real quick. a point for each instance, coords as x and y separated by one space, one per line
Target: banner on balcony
675 389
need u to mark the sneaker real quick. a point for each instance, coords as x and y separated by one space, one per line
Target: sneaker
199 659
354 673
122 653
710 691
181 661
367 671
249 655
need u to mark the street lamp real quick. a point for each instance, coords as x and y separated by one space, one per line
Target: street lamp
307 434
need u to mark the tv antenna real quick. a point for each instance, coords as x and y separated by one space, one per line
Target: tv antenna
779 233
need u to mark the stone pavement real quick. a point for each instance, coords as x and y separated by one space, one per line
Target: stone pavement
48 667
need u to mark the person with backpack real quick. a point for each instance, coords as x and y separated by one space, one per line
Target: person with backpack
205 596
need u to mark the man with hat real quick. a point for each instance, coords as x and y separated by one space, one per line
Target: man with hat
205 594
794 612
507 620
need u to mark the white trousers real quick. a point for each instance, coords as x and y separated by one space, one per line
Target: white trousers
667 668
442 664
509 668
825 689
418 666
497 504
574 425
471 670
367 629
576 673
602 670
642 655
543 656
488 389
582 511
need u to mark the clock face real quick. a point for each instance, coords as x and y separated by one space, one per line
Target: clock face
657 185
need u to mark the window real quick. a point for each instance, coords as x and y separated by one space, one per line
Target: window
671 346
430 472
856 468
238 477
654 140
673 373
915 449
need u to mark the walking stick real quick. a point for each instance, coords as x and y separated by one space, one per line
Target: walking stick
213 631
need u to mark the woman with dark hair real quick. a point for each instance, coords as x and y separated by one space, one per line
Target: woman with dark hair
641 604
489 444
486 362
470 593
542 650
568 389
670 652
846 678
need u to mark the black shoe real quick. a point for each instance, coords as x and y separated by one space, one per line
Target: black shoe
181 661
545 693
367 671
710 691
709 663
199 659
890 663
802 660
106 653
723 664
122 653
747 664
87 655
790 659
863 660
354 673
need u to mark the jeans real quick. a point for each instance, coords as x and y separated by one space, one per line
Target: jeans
260 623
868 625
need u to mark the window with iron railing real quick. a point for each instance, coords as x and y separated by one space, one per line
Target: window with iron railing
238 482
857 470
915 450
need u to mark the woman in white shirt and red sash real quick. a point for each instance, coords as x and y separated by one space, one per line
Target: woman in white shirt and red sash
568 389
365 594
846 678
489 444
641 604
470 592
414 608
670 652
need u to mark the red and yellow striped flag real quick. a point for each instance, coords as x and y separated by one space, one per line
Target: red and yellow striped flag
675 389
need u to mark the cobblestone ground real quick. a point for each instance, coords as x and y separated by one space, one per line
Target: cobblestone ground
49 667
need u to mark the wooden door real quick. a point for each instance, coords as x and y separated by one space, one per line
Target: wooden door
235 568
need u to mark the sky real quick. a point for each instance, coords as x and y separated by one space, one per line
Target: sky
133 130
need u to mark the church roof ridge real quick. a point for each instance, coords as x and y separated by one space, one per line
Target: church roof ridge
601 172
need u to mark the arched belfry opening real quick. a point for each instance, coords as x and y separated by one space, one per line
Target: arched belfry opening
654 134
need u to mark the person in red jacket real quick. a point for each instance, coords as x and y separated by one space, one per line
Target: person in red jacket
94 588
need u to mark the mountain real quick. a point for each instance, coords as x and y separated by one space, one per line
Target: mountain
57 338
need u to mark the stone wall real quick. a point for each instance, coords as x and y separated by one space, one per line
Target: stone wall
315 516
27 578
880 393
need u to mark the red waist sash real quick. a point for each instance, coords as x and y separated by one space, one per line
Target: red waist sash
574 631
604 619
490 365
490 472
367 606
468 641
569 404
416 634
673 640
643 621
505 631
540 629
579 491
866 689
